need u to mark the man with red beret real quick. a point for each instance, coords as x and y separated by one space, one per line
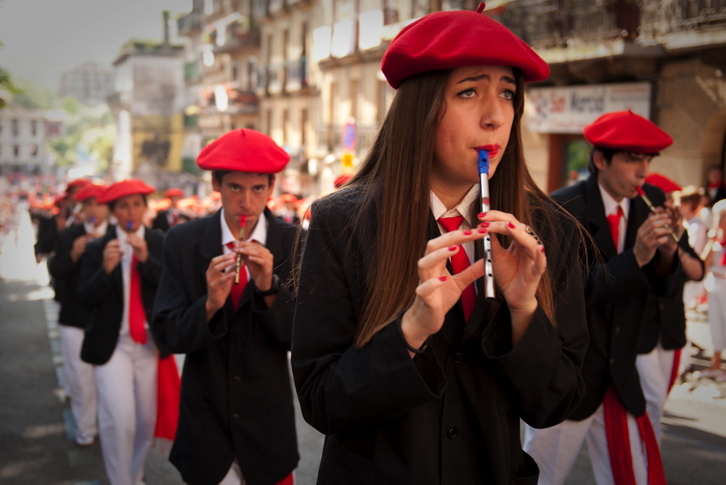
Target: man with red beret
64 267
167 218
49 227
221 301
634 264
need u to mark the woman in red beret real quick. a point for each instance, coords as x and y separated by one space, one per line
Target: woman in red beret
413 375
119 277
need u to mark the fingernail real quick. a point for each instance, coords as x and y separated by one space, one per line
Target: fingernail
452 248
442 278
484 224
482 215
541 248
481 230
511 226
467 232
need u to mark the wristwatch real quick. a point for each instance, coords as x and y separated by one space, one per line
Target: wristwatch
274 287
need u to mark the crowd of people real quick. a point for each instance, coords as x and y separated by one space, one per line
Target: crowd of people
423 324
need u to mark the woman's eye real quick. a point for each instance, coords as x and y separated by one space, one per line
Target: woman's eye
467 93
508 94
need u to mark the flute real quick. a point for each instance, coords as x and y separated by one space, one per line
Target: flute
484 187
238 261
647 201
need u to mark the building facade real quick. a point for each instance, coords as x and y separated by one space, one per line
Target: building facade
307 72
23 136
89 83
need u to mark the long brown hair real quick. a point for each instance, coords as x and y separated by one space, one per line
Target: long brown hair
396 179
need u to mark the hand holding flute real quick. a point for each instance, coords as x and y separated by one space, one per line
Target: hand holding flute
647 201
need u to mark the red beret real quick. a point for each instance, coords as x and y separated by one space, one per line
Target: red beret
341 180
662 182
287 198
174 192
77 183
89 191
446 40
124 188
243 150
625 130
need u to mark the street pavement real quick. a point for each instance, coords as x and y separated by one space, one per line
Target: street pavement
36 426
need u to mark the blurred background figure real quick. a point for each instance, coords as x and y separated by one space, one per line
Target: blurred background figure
80 383
715 186
691 202
169 217
715 259
287 208
61 217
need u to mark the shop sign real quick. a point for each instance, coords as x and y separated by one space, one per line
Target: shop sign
570 109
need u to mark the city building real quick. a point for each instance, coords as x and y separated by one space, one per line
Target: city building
148 104
23 136
89 83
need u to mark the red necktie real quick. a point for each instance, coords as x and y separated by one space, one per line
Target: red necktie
614 222
459 262
137 315
238 289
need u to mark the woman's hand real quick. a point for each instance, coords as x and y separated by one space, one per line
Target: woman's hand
438 290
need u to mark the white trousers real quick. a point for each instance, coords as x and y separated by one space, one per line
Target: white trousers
556 449
80 382
655 369
127 386
717 314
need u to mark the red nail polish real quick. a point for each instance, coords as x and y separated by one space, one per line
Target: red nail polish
481 230
467 232
452 248
442 278
511 226
484 224
482 215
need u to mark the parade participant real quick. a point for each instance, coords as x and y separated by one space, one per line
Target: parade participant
412 376
715 186
65 269
49 227
169 217
715 258
119 277
664 331
633 264
691 198
288 210
221 302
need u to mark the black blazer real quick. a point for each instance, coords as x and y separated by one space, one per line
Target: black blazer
161 221
619 294
451 414
103 294
236 399
66 276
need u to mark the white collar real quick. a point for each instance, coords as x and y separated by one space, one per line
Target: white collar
611 205
462 208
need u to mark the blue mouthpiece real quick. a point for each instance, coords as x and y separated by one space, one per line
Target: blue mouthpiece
92 220
129 225
483 162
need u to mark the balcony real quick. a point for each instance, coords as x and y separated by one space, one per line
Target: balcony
189 24
239 101
192 72
239 35
297 75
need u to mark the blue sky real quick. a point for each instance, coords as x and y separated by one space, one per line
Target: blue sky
44 38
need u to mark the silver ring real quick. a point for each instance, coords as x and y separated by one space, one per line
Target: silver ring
528 230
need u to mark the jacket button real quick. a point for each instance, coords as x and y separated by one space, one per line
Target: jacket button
235 415
612 361
458 357
451 434
237 378
617 330
237 341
